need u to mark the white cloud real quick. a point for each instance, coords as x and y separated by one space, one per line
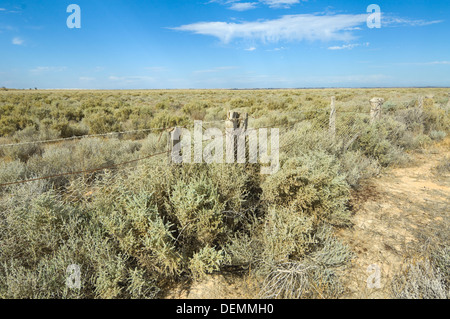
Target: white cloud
395 21
243 6
41 69
2 9
280 3
349 46
427 63
439 63
216 69
250 49
131 79
277 49
18 41
287 28
156 69
86 79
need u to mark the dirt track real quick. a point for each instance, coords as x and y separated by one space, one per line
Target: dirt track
397 215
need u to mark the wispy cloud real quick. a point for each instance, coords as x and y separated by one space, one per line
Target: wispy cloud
280 3
156 69
298 27
439 63
349 46
287 28
279 49
17 10
395 21
243 6
18 41
131 79
42 69
250 49
86 79
216 69
425 63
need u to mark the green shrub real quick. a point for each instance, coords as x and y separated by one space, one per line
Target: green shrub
438 135
168 120
196 110
197 207
154 143
287 234
311 184
206 261
357 168
12 171
23 152
101 123
436 119
381 141
134 221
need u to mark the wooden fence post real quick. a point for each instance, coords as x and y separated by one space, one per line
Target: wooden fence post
236 121
174 142
333 117
376 109
231 125
420 104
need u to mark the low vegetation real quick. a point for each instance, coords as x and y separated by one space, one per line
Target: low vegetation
137 230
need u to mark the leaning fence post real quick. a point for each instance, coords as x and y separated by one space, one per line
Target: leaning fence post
333 117
376 109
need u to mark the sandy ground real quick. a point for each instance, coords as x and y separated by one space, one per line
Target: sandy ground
398 213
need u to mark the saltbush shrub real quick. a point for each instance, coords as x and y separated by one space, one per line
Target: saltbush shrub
311 184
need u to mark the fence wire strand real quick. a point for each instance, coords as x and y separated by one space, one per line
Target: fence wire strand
346 132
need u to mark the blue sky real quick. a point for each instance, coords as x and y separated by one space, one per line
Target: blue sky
158 44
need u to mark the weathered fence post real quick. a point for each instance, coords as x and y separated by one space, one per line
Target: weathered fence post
333 117
174 141
236 124
231 125
376 109
243 121
421 99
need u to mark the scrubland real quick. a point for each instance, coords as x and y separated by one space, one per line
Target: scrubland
138 230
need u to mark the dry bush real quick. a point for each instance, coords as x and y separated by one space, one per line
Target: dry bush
357 168
444 167
420 280
12 171
314 275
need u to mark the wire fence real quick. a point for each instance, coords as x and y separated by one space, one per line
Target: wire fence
109 134
345 130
